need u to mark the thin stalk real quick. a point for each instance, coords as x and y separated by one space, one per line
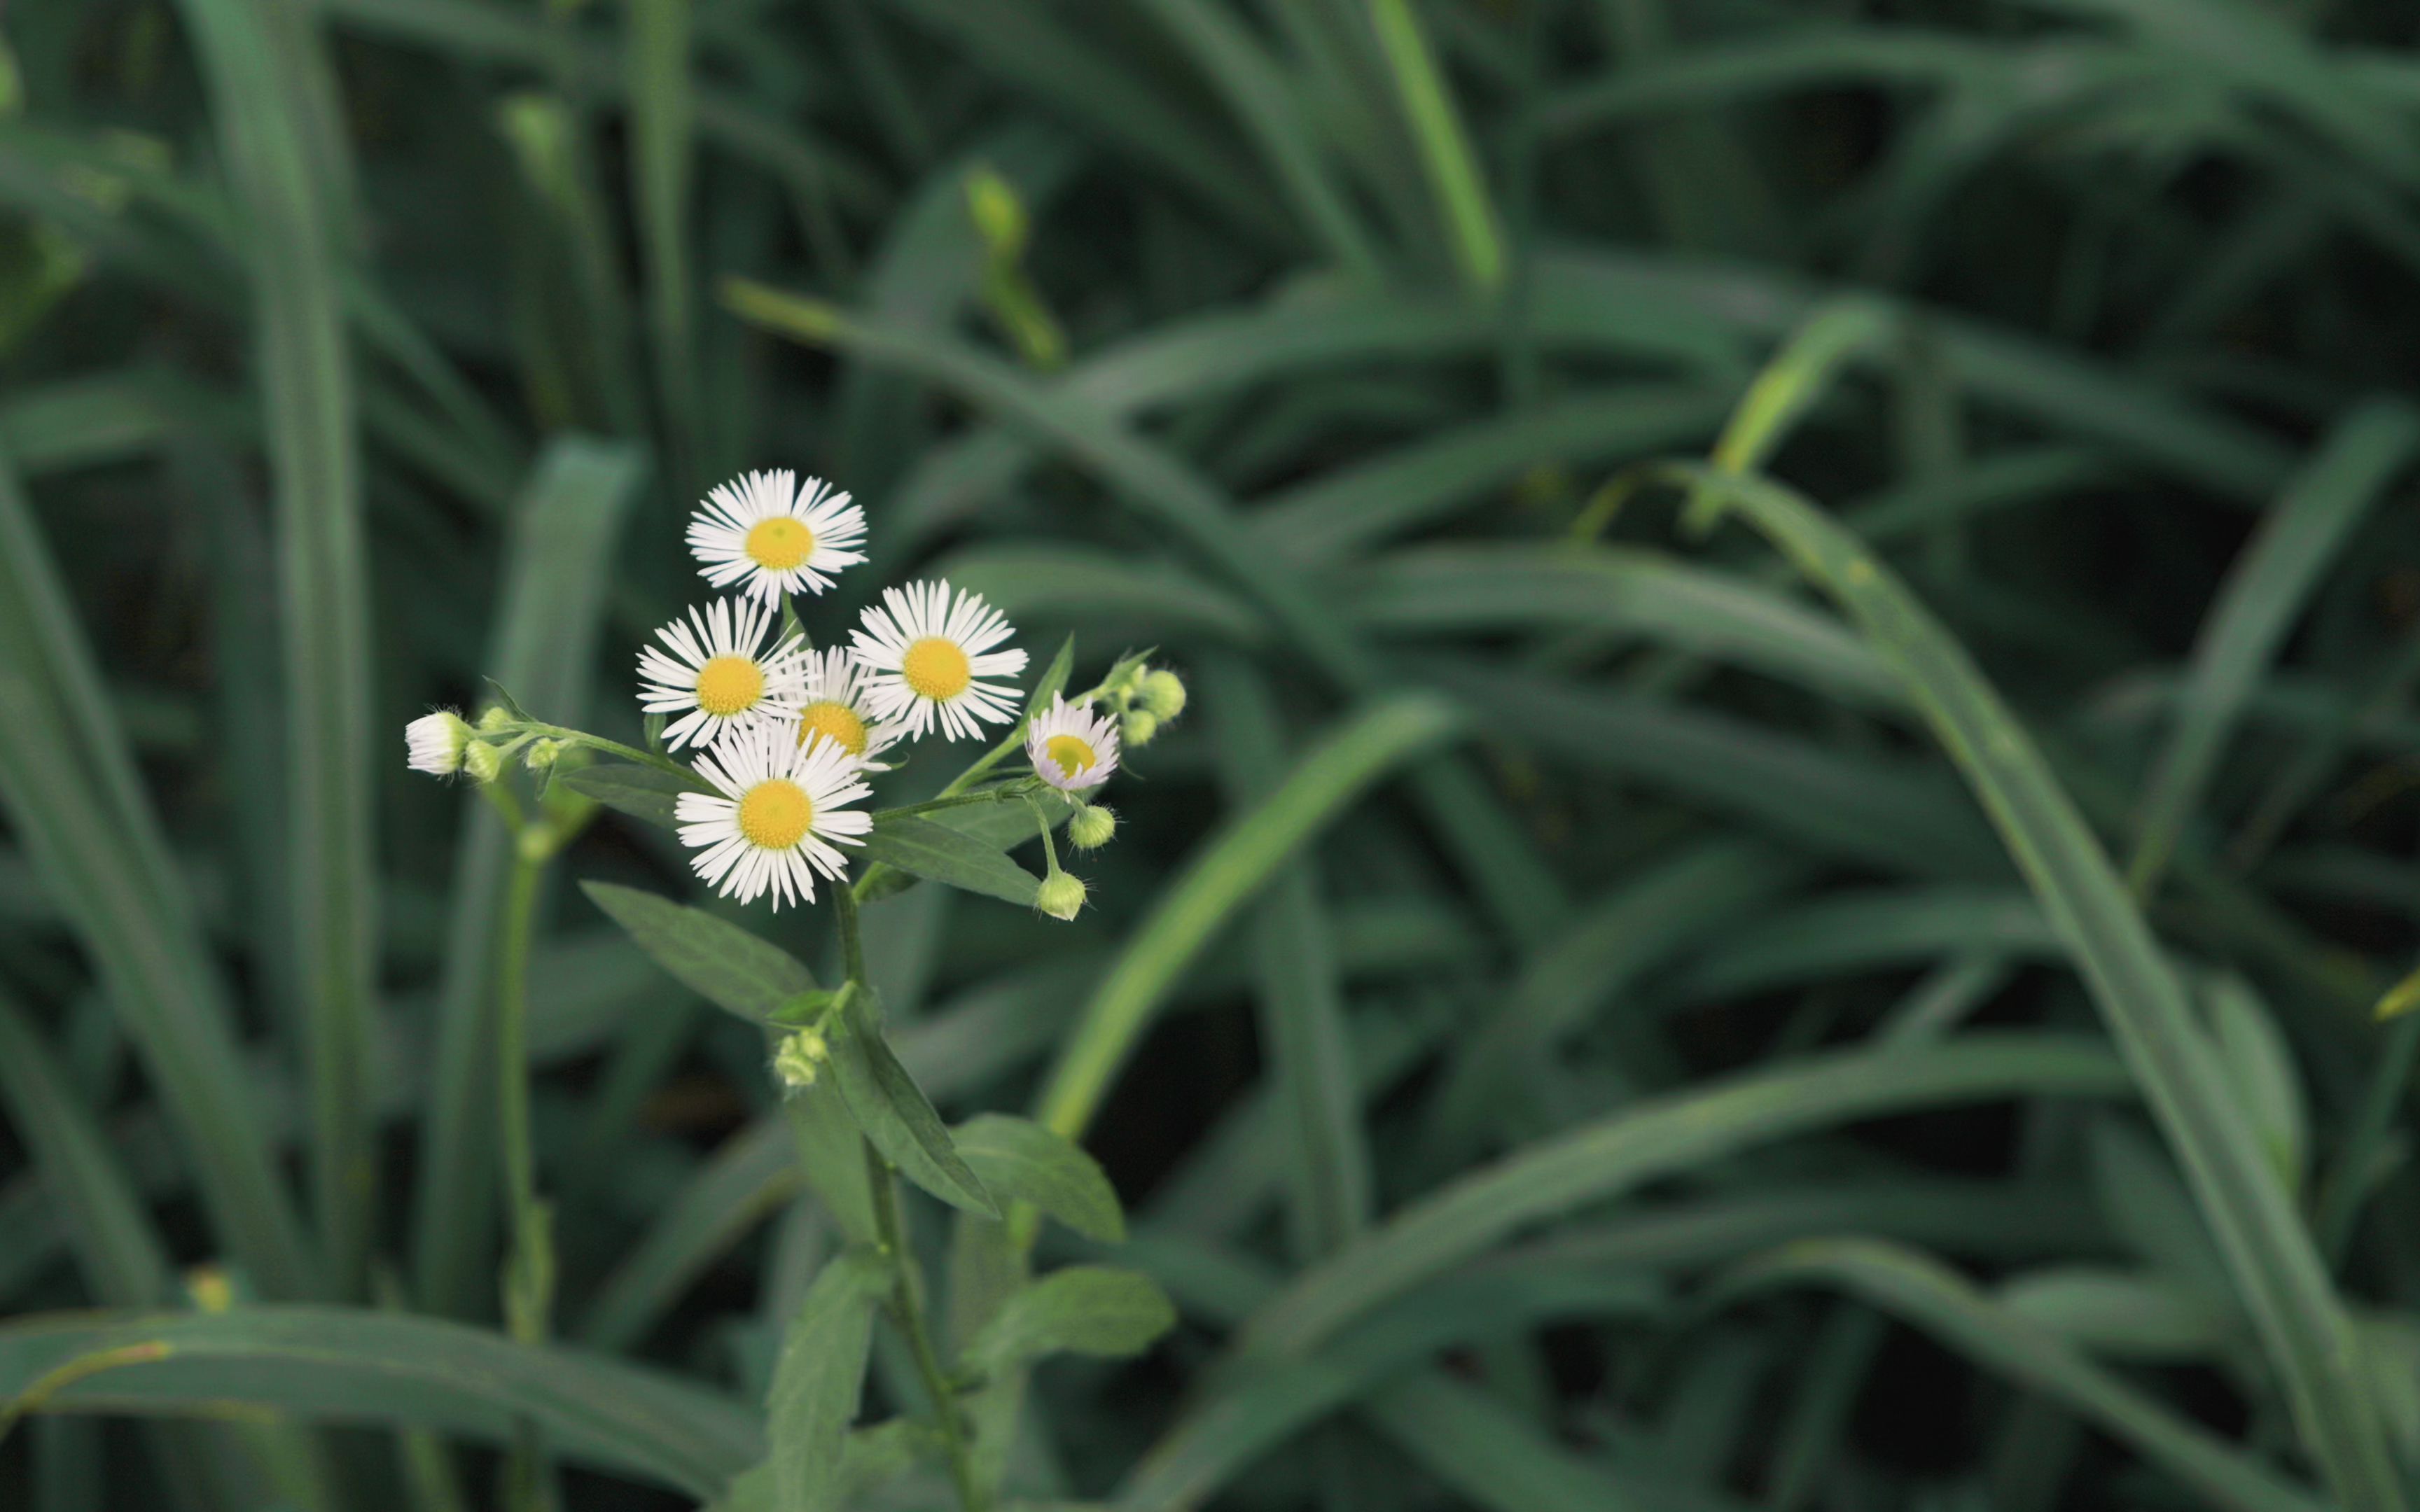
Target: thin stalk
906 1307
956 800
2340 1196
529 1273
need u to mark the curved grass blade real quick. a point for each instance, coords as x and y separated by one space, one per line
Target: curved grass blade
348 1364
1929 1295
2256 605
1222 876
1654 1138
542 643
271 91
1472 230
2270 1252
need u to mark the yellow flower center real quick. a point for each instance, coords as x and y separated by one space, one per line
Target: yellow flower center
836 722
729 685
1072 754
776 814
935 668
780 543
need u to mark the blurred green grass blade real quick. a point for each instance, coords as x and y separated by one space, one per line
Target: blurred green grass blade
1658 912
1999 368
1341 511
661 121
1299 1006
347 1365
1515 886
1927 1295
1868 807
744 1181
1265 100
1088 586
267 83
1472 230
89 421
2270 1252
1032 47
1489 1452
1797 378
120 1254
1677 1132
1849 931
2257 605
72 799
1222 876
557 567
1480 588
816 1383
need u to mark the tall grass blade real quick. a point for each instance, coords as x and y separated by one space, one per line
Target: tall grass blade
2275 1266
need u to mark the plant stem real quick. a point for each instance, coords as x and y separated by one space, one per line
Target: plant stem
954 800
529 1272
907 1305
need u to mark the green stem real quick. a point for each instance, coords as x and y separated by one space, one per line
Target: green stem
954 800
529 1279
906 1307
611 747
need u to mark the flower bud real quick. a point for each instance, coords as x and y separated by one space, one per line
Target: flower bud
1090 828
541 754
435 742
1138 727
483 761
1060 895
800 1057
1163 693
496 718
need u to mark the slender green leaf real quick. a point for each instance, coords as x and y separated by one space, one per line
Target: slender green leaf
2274 1264
343 1365
1927 1295
818 1381
647 793
2257 604
921 848
1020 1160
722 963
895 1114
1083 1310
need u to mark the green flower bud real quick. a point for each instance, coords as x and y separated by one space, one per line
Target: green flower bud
482 762
541 754
1137 728
497 717
1090 828
1163 694
800 1057
1061 897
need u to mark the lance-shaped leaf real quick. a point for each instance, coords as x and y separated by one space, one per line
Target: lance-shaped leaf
922 848
644 793
818 1381
893 1113
1084 1309
720 962
1019 1157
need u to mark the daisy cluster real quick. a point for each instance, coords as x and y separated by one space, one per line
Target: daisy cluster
784 734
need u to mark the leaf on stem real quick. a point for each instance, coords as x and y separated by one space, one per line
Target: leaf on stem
1084 1309
818 1382
938 854
641 792
895 1116
1019 1157
722 963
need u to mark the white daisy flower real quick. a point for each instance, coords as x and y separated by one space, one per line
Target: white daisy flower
777 816
1072 747
833 707
926 652
719 675
779 537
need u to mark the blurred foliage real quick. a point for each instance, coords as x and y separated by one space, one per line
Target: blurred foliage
1586 1009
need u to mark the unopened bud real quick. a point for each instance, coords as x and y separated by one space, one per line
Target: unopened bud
1163 694
1090 828
482 762
496 718
541 754
1061 896
1137 728
435 742
801 1056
